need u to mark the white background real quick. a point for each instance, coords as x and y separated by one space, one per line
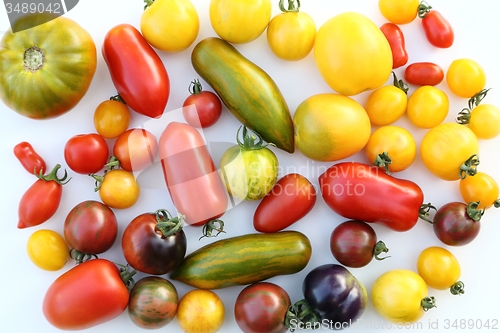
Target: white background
23 285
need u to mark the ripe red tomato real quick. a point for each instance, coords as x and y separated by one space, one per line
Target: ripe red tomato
154 243
436 28
202 108
90 228
136 149
41 201
262 307
87 295
30 160
137 71
86 153
424 74
290 199
396 40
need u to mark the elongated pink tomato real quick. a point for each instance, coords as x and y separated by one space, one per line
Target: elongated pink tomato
192 179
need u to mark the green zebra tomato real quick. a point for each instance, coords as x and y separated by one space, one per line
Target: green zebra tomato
249 170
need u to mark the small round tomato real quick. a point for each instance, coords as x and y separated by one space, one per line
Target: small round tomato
118 189
400 296
200 311
447 149
465 77
424 74
440 269
170 25
262 307
153 302
392 147
484 121
399 11
136 149
291 34
481 188
90 228
427 107
111 118
86 153
354 244
202 108
47 249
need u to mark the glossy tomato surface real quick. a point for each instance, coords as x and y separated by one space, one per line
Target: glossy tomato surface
111 118
454 226
438 30
136 149
200 311
47 249
29 158
119 189
202 108
424 74
396 39
86 153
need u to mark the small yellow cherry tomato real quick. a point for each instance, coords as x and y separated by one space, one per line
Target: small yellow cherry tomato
291 34
47 249
387 104
118 189
200 311
394 142
111 118
427 107
480 187
485 121
400 296
465 77
440 269
399 11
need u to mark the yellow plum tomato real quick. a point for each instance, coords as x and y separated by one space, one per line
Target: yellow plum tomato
47 249
440 269
481 188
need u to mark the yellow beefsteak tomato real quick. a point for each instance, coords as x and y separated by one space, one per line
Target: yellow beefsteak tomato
352 54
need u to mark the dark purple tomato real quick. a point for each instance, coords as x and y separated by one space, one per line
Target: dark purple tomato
261 308
153 302
457 223
354 244
90 228
154 243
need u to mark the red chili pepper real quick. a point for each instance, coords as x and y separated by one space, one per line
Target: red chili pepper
31 161
396 39
424 74
437 29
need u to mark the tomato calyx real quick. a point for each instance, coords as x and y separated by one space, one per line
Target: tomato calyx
293 6
463 117
195 87
34 59
383 160
111 165
378 249
473 211
251 141
423 9
301 311
211 226
52 176
168 225
117 98
469 167
81 257
148 3
126 275
398 83
428 303
424 212
458 288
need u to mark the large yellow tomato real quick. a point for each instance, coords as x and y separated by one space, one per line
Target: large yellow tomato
465 77
170 25
480 187
200 311
446 147
440 269
240 21
47 249
330 127
400 296
352 54
427 107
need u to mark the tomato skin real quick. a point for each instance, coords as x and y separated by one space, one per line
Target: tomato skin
465 77
87 295
385 105
427 107
90 227
485 121
29 158
47 249
119 189
200 311
480 187
136 149
399 11
291 198
453 226
424 74
190 173
86 153
438 30
136 70
438 267
363 192
396 40
153 302
147 250
111 118
262 307
202 108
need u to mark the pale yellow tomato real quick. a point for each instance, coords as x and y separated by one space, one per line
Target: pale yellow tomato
240 21
399 11
170 25
465 77
484 121
385 105
440 269
395 142
352 54
200 311
427 107
47 249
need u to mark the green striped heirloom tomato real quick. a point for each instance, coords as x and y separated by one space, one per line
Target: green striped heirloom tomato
47 69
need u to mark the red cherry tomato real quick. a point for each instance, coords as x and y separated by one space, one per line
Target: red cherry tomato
424 74
87 295
136 149
437 29
137 71
396 40
86 153
40 202
202 108
30 160
290 199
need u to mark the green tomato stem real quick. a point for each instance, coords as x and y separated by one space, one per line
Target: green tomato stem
423 9
303 312
383 160
469 167
424 212
148 3
167 224
117 98
211 226
428 303
474 213
34 59
464 115
251 141
80 257
127 276
400 84
292 7
195 87
52 176
457 288
378 249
